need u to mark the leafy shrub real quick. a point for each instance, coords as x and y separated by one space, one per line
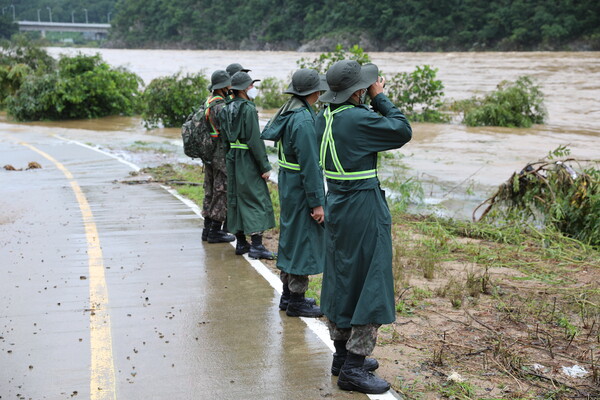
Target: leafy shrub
517 104
326 60
81 87
553 193
11 79
21 50
18 59
169 100
418 94
271 93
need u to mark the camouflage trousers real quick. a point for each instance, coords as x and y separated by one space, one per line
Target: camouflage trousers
361 339
296 283
214 205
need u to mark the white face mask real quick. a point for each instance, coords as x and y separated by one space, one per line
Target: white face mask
252 93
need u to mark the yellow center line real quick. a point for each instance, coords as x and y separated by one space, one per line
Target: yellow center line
102 377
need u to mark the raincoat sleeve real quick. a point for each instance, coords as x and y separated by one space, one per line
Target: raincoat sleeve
387 131
304 143
254 142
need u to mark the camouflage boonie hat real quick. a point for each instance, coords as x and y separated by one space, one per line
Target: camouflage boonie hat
219 80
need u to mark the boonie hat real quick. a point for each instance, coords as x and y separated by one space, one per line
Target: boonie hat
241 80
306 81
235 67
219 79
346 77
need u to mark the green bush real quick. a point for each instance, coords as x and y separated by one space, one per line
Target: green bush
326 60
167 101
271 93
81 87
517 104
418 94
18 59
21 50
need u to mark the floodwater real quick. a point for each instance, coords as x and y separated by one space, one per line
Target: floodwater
458 166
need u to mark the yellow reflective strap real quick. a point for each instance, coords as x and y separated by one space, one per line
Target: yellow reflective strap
283 162
238 145
348 176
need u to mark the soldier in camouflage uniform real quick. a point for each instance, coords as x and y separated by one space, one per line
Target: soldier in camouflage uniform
214 206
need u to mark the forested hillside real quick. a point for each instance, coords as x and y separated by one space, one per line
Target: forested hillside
408 25
415 25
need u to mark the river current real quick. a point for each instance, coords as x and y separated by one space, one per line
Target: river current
457 165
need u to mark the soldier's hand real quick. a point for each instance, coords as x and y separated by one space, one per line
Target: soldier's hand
265 175
318 214
377 87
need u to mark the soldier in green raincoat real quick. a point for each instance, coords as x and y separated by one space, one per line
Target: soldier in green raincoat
301 193
358 285
249 208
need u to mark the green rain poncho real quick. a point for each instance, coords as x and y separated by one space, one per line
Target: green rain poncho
358 284
301 239
249 207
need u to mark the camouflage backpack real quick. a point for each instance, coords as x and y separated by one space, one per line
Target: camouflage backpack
200 137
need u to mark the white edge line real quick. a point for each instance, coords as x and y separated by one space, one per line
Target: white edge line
317 326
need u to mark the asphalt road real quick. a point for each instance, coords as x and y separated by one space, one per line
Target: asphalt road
107 292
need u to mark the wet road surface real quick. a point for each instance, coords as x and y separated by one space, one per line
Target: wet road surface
107 292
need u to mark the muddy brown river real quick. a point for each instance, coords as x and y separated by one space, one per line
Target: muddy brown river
457 165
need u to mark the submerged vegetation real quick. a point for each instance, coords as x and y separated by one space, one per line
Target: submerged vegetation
517 104
168 100
560 193
33 86
81 87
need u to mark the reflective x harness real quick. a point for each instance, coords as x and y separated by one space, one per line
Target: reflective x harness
327 143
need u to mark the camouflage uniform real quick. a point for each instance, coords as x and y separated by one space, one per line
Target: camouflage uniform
296 283
214 205
361 338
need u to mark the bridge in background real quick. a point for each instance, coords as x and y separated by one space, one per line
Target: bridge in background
93 31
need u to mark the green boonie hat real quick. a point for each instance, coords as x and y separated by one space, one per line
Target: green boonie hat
235 67
219 80
241 80
306 81
346 77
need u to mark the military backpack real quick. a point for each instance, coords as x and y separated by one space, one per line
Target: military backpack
200 136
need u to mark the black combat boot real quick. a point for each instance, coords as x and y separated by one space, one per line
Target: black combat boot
242 246
354 377
207 222
285 299
217 235
257 250
339 358
300 307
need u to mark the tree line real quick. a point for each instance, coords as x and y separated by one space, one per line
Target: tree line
410 25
